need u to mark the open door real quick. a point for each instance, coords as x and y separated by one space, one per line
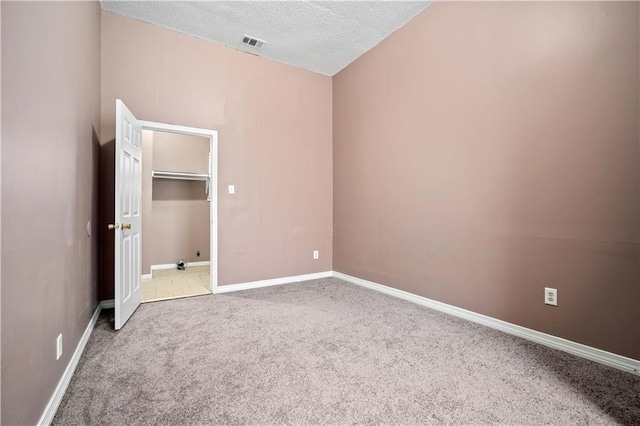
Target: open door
128 174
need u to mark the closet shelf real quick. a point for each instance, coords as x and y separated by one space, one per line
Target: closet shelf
185 176
179 175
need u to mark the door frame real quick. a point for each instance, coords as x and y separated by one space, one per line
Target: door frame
213 187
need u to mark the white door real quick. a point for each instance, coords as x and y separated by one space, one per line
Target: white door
128 256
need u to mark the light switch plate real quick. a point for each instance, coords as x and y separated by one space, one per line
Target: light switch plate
232 189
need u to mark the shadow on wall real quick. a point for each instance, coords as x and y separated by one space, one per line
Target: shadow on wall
107 215
96 250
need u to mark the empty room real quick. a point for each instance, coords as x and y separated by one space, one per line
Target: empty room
320 212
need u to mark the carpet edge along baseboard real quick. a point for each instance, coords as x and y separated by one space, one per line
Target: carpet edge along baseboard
610 359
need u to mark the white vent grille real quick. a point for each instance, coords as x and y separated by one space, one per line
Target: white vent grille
253 42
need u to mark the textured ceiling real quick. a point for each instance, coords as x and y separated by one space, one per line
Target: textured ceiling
321 36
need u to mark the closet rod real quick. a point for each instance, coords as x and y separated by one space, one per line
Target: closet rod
185 176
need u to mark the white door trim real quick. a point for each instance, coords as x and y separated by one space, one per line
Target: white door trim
213 185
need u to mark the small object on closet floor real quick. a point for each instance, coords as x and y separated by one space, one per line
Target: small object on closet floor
182 265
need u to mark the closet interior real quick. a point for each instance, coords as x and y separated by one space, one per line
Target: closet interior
175 215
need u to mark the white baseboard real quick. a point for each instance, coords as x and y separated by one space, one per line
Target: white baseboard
274 281
598 355
108 304
173 265
56 398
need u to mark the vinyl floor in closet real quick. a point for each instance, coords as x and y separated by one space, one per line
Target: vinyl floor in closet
172 283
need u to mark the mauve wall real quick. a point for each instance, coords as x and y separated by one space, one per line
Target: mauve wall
274 124
50 121
0 203
487 150
175 213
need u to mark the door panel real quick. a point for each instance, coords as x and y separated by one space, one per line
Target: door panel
128 256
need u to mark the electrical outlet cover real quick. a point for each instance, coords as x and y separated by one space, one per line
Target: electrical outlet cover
551 296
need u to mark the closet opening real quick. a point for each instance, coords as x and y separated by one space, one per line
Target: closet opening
177 213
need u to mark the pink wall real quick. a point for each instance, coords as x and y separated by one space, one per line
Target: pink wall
274 124
480 153
487 150
0 199
180 153
175 214
51 81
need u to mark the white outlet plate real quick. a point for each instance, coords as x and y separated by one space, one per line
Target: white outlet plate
59 347
232 189
551 296
316 255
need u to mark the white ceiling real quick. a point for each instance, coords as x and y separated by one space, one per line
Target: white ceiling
321 36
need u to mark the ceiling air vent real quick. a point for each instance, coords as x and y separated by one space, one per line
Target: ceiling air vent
253 42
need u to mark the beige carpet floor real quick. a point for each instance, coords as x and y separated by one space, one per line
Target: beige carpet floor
328 352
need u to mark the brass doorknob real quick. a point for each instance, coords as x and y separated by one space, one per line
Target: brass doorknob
126 226
111 226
